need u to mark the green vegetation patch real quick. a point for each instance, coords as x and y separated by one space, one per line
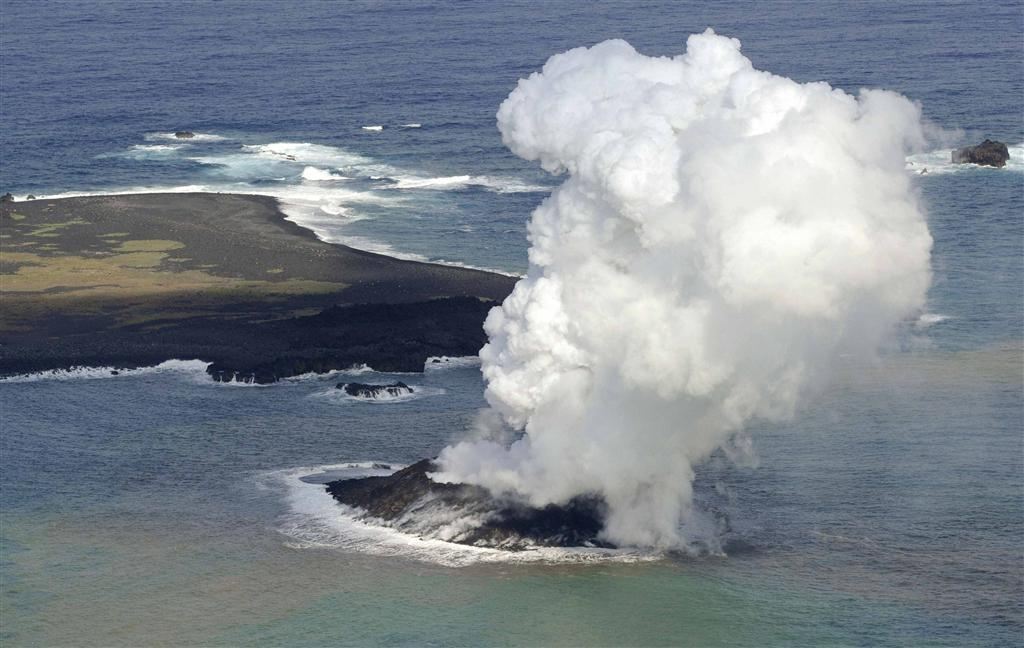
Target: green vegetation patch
149 245
51 230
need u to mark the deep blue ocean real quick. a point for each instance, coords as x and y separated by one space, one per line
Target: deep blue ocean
156 507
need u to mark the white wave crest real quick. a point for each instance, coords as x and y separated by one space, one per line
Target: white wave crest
373 128
928 319
194 368
449 183
318 175
308 153
412 125
196 137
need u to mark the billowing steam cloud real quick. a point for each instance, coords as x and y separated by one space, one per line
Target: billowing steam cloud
723 236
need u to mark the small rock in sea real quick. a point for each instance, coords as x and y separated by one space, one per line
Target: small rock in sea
436 361
184 134
30 197
114 372
7 197
363 390
988 153
381 466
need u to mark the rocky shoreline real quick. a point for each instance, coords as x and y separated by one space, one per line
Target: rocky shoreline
133 280
411 502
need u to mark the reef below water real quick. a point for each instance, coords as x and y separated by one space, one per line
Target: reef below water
409 501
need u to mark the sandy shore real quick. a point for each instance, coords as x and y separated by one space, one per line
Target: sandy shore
127 280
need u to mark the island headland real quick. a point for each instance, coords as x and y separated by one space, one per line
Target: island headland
136 279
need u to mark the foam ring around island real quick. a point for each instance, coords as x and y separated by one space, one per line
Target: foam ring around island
314 520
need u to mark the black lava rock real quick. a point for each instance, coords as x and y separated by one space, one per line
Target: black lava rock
364 390
988 153
411 502
184 134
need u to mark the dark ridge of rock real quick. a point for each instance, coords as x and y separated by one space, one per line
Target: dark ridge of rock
411 502
30 197
7 197
184 134
387 337
988 153
365 390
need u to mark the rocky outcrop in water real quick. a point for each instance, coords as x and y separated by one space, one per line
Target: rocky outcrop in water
988 153
7 197
410 501
365 390
184 134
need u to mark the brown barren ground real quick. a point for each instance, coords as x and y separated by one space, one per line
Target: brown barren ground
134 279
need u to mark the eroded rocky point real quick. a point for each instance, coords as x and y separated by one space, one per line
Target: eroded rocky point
411 502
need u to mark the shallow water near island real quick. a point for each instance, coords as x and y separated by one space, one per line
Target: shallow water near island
158 507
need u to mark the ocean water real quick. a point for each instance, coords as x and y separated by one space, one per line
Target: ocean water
156 507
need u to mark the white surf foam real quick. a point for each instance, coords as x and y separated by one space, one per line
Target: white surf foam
341 396
307 153
318 175
928 319
450 183
355 370
191 368
412 125
939 162
441 363
373 128
316 520
305 179
196 137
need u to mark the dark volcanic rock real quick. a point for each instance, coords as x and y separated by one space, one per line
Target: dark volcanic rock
364 390
7 197
184 134
411 502
387 337
988 153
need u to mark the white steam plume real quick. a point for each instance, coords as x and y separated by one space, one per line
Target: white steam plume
723 236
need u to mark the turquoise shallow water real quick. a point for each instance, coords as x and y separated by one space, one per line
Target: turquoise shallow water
888 514
159 508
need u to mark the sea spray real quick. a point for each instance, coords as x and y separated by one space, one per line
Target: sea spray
724 236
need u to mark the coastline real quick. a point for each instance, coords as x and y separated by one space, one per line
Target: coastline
130 280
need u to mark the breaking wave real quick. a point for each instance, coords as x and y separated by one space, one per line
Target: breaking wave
317 175
192 368
449 183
